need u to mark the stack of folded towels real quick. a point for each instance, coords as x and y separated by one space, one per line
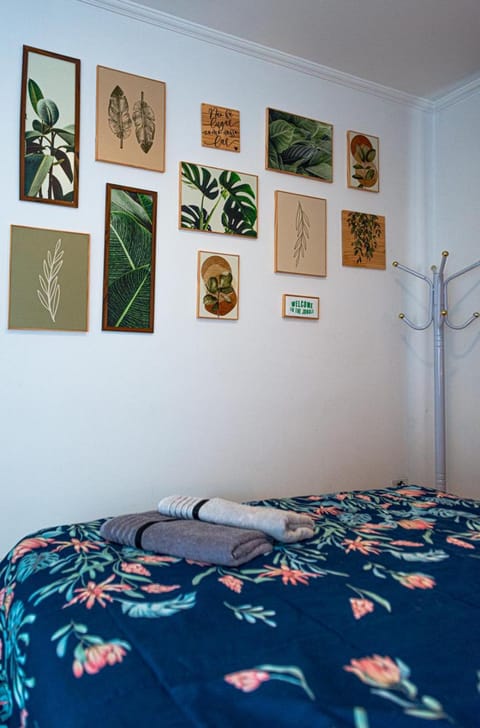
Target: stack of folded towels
212 530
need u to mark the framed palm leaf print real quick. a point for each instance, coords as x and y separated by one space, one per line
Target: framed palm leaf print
129 267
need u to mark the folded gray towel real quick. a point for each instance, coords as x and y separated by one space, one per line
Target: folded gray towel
195 540
286 526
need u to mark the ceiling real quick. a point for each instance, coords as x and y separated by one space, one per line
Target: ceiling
425 48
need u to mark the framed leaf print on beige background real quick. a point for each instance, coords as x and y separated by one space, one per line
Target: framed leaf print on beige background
130 120
48 279
300 234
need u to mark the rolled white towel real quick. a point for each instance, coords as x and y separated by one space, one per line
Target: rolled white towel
286 526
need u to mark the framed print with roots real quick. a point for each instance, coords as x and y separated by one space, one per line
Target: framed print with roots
298 145
130 127
300 234
49 127
218 285
363 166
129 265
48 279
218 200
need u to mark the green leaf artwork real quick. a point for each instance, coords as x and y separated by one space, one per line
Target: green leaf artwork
216 200
129 260
298 145
49 137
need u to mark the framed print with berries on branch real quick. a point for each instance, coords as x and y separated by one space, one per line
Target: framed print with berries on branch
363 170
49 128
130 120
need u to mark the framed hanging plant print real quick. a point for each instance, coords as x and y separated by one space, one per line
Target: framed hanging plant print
298 145
218 279
48 279
218 200
49 127
129 266
363 240
363 172
130 120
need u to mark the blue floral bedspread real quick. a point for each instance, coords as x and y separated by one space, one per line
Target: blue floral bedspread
373 623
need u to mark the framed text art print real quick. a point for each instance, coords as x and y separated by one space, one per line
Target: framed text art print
49 128
220 128
363 167
130 120
297 145
218 200
48 279
129 265
218 280
300 234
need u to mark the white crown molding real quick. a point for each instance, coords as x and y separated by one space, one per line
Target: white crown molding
224 40
457 94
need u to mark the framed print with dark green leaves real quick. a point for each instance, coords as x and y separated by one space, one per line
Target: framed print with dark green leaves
49 128
298 145
129 266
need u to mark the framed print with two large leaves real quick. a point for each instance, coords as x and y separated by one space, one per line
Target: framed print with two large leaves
130 127
129 266
49 127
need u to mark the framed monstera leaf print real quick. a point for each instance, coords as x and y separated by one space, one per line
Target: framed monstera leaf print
130 120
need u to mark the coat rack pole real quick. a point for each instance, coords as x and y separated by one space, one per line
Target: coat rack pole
438 316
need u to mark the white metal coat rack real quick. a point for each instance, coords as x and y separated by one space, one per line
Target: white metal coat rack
438 316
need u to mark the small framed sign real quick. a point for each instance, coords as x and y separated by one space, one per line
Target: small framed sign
220 128
302 307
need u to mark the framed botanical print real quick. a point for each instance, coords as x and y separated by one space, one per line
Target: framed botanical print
300 234
363 164
130 125
129 264
298 145
218 281
49 128
363 240
48 279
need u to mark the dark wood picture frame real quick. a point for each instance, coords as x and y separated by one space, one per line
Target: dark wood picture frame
129 263
49 128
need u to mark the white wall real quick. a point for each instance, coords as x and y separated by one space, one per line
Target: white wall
457 230
101 423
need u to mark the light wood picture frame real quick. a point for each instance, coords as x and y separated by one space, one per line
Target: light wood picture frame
363 240
49 273
300 234
49 128
218 200
129 263
300 307
363 161
298 145
130 120
218 285
220 128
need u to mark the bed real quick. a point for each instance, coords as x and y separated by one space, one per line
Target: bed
373 623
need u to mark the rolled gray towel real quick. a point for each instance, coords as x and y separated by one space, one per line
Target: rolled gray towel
286 526
194 540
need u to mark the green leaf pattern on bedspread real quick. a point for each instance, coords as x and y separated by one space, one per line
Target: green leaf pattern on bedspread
90 574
